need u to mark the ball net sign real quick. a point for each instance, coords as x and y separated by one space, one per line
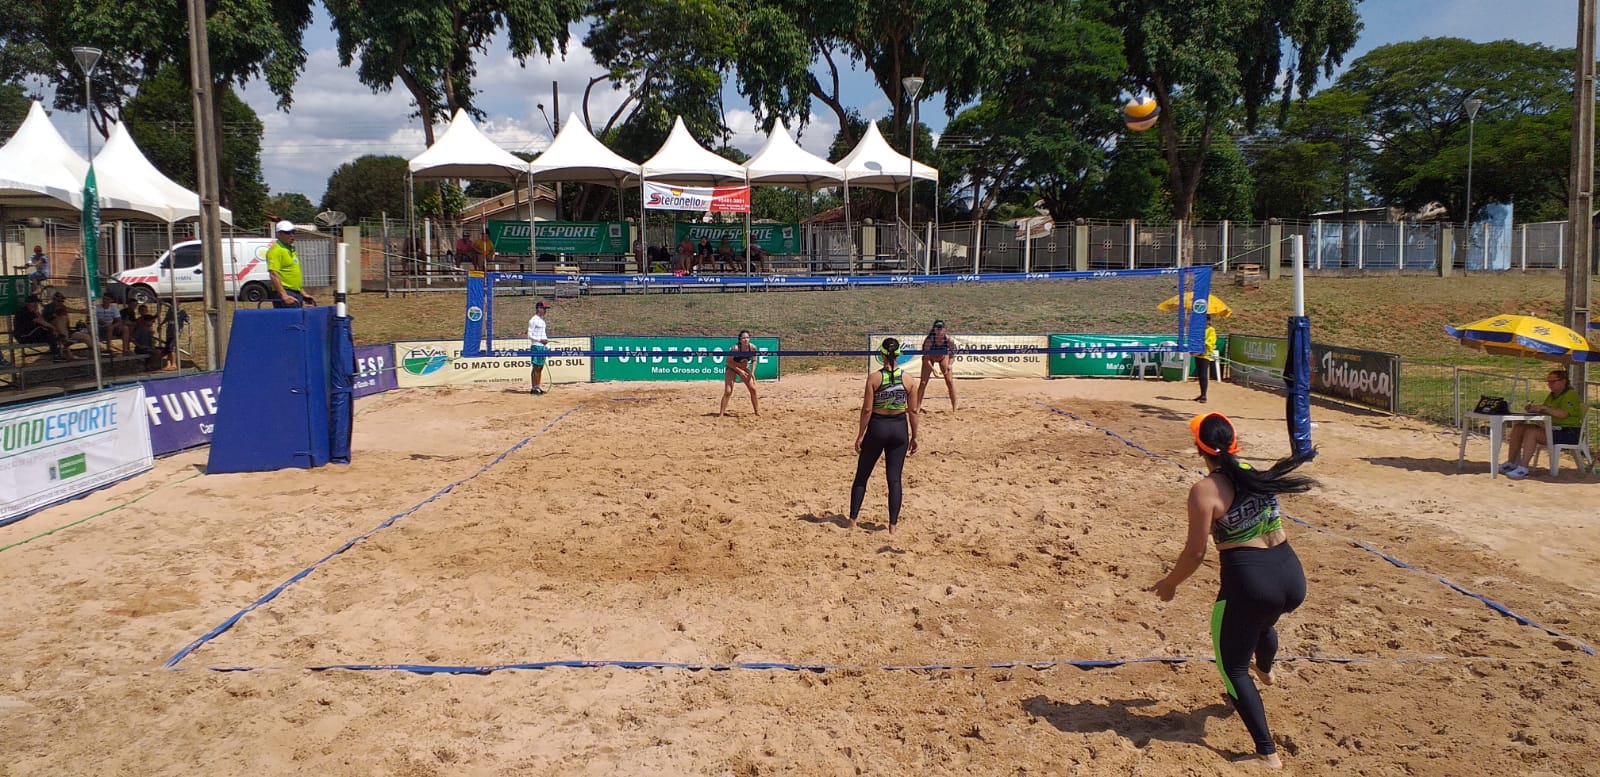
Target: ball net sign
560 237
700 199
677 358
440 363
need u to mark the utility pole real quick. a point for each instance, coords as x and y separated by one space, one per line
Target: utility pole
1580 203
205 152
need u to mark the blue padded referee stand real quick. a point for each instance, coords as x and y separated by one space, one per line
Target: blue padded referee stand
285 392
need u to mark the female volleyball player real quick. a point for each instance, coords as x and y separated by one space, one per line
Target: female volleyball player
736 368
937 349
1261 576
888 429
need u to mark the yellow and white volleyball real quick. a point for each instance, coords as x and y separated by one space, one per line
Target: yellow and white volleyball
1141 114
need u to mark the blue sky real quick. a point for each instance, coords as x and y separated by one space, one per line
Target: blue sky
335 119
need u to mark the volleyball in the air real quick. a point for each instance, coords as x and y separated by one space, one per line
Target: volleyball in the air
1141 114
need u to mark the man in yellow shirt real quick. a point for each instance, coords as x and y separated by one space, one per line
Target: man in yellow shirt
283 264
1203 362
485 248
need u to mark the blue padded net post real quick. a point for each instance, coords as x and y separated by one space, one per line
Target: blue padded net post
1297 377
341 374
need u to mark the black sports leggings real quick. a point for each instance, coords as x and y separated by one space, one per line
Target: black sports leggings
887 436
1204 367
1258 585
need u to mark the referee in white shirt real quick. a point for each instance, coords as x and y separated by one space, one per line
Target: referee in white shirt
539 336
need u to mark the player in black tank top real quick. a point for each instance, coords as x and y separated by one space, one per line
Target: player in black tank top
938 349
737 368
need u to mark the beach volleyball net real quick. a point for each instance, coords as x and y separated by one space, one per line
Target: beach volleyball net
1149 312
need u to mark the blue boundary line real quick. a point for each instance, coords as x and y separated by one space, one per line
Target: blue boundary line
1490 603
1083 664
273 594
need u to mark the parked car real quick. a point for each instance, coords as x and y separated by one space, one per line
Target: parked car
244 257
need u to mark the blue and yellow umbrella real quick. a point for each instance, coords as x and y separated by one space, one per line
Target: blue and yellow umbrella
1214 305
1514 335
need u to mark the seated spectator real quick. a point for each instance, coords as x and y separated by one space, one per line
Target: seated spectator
55 314
1564 405
466 251
29 327
106 319
703 253
683 261
41 268
660 259
485 252
758 259
725 256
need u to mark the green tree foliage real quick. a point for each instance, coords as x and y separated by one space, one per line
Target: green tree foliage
368 187
1413 95
1318 162
161 120
293 206
14 105
1227 58
1039 131
429 46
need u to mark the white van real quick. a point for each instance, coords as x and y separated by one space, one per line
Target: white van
244 257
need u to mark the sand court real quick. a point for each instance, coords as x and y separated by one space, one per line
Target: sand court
625 523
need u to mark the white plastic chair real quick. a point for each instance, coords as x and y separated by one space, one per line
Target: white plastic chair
1579 450
1146 362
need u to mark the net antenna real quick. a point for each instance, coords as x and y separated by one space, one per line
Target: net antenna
331 218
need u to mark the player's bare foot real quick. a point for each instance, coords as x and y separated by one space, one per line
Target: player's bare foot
1265 678
850 524
1271 761
891 530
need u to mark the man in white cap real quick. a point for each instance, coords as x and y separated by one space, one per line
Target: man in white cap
283 264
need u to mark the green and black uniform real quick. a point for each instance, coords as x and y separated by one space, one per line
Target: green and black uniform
1259 585
889 436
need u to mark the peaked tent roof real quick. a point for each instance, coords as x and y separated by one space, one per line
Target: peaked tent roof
576 155
38 170
872 164
131 187
682 160
782 162
463 151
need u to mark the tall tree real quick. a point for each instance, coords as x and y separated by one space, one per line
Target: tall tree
160 117
430 46
1413 96
1047 109
1227 57
14 107
1319 161
293 206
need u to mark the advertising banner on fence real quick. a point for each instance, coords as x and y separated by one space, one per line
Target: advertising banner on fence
1368 378
681 358
561 237
440 363
1263 356
181 410
375 369
1105 360
772 239
971 361
700 199
57 450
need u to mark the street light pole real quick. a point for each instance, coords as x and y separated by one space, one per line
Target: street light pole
87 58
1472 105
913 85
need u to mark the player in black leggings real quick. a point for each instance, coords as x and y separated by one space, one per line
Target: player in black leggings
888 429
1261 576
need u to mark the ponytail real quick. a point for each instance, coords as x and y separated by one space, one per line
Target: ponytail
1214 436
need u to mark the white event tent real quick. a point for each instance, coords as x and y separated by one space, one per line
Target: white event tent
782 162
682 160
132 188
575 156
872 164
463 151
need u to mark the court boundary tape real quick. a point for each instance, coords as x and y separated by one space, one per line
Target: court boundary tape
92 516
1082 664
1486 601
172 662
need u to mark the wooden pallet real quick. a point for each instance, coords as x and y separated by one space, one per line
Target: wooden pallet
1247 275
